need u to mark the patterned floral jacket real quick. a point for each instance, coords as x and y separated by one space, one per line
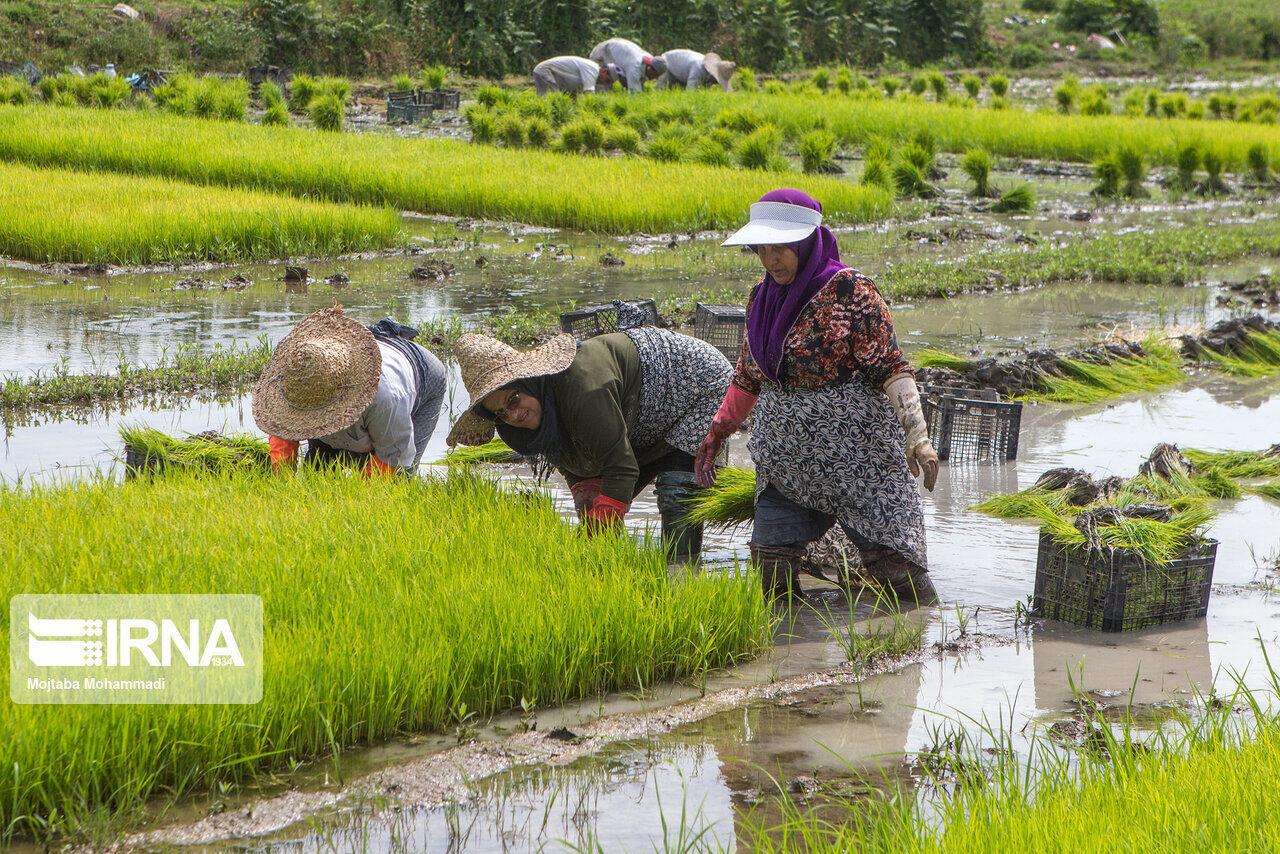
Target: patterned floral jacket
844 334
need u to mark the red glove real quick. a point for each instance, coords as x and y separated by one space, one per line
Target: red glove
585 492
605 512
374 465
735 409
284 453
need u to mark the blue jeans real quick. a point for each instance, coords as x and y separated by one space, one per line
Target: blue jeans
782 522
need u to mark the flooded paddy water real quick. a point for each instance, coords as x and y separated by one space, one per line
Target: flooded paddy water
700 757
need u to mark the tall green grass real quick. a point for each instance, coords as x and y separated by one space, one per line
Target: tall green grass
1003 133
374 628
438 176
61 215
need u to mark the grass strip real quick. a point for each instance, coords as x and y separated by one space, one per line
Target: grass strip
1257 356
188 369
1040 135
61 215
374 627
149 448
429 175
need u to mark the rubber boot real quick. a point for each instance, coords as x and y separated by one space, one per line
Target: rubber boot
675 491
779 569
898 575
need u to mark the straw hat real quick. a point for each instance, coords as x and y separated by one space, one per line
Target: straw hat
720 70
487 365
321 376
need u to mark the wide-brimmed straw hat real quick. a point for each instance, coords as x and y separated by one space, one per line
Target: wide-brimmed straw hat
321 376
721 70
775 223
488 365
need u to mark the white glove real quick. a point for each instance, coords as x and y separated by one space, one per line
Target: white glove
921 457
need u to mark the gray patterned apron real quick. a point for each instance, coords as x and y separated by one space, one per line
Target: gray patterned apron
839 450
685 380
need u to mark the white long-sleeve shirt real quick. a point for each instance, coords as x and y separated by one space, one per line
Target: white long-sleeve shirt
385 428
626 54
568 74
684 68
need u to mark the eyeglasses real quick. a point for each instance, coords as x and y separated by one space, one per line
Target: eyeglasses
502 412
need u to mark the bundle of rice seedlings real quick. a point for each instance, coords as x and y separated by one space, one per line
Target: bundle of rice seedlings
620 138
148 449
1259 162
1258 355
402 83
891 85
929 357
1155 542
817 151
759 150
1133 168
710 151
1025 503
1107 172
1078 381
511 131
976 163
1186 162
327 112
1019 199
433 76
493 452
1213 185
1268 490
730 502
972 84
999 85
302 88
1237 465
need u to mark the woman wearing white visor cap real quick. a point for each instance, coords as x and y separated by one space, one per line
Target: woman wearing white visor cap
838 431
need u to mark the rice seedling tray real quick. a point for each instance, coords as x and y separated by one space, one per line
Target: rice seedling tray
1116 591
584 323
971 425
721 326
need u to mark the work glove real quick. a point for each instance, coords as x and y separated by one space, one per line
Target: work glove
585 492
375 465
284 453
605 514
733 411
921 457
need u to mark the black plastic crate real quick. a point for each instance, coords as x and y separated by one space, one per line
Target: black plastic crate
971 425
443 99
1117 592
584 323
405 110
721 326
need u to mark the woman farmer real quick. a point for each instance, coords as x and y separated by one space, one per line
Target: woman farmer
367 396
610 415
822 368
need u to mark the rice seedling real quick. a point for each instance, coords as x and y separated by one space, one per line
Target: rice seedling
15 90
1080 381
614 195
744 80
1259 162
493 452
1267 490
1133 171
148 449
338 87
739 119
1257 356
891 85
1094 102
918 84
277 115
844 80
302 88
817 151
59 215
937 84
433 76
1237 465
269 93
1213 185
821 78
1065 94
1019 199
402 83
710 151
326 112
999 85
1106 170
1025 503
928 357
669 143
1154 542
972 84
487 600
1184 180
911 172
511 130
976 163
759 150
538 133
731 501
187 369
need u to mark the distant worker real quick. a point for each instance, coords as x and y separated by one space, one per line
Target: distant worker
572 74
636 63
693 70
366 396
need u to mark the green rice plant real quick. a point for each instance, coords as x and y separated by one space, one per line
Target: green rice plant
489 599
302 88
158 451
999 103
15 90
107 92
1026 503
890 85
433 76
491 96
821 78
876 170
1188 162
613 195
1259 162
744 80
327 113
561 107
269 94
1106 170
976 163
999 85
277 114
493 452
59 215
1258 356
538 132
710 151
937 84
1065 94
1080 381
817 151
730 502
1094 102
1195 110
1133 171
928 357
186 370
972 84
510 130
844 80
918 84
1173 105
622 138
1018 199
909 179
63 99
482 124
1213 185
1236 465
739 119
666 149
402 83
530 106
759 149
338 87
1267 490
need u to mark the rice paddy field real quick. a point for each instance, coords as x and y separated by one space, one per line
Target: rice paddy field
451 662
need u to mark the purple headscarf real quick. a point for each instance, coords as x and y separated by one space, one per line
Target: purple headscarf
776 306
